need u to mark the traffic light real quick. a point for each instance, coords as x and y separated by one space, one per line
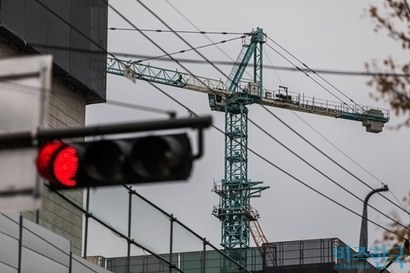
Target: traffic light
114 162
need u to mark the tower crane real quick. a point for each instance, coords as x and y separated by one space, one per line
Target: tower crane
232 98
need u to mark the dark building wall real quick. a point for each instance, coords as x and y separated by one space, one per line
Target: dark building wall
73 31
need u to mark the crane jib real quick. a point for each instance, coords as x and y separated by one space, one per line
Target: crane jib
296 102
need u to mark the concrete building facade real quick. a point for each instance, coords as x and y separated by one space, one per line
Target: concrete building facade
67 109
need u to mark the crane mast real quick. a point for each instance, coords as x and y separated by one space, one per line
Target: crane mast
232 97
237 189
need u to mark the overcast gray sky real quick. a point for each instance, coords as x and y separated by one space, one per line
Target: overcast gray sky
323 34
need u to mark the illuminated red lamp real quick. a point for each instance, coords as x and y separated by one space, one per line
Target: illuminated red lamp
57 162
115 162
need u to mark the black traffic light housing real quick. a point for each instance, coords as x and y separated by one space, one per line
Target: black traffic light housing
116 162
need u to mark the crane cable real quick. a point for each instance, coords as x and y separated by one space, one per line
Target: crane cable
308 69
190 49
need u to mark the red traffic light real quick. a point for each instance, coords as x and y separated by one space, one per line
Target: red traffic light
115 162
57 162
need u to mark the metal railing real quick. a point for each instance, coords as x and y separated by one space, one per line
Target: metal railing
147 234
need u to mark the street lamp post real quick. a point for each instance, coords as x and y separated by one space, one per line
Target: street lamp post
363 242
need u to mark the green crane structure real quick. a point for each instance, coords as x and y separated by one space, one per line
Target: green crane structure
232 97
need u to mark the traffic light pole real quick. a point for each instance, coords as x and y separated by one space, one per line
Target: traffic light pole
33 138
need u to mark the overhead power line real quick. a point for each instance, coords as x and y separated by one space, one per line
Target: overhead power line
223 133
307 71
287 173
171 114
164 58
192 24
155 15
181 31
272 66
329 158
190 49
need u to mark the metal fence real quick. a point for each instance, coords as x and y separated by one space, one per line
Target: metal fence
28 247
209 261
311 256
147 234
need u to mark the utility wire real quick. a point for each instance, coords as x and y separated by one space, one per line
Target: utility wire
157 45
404 208
328 157
272 66
171 114
192 24
356 163
252 151
143 57
310 70
155 15
74 28
171 29
180 37
182 31
22 87
224 133
322 194
324 154
191 49
401 208
212 64
287 173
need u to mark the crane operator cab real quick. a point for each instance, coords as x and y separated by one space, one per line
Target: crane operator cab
253 88
216 102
